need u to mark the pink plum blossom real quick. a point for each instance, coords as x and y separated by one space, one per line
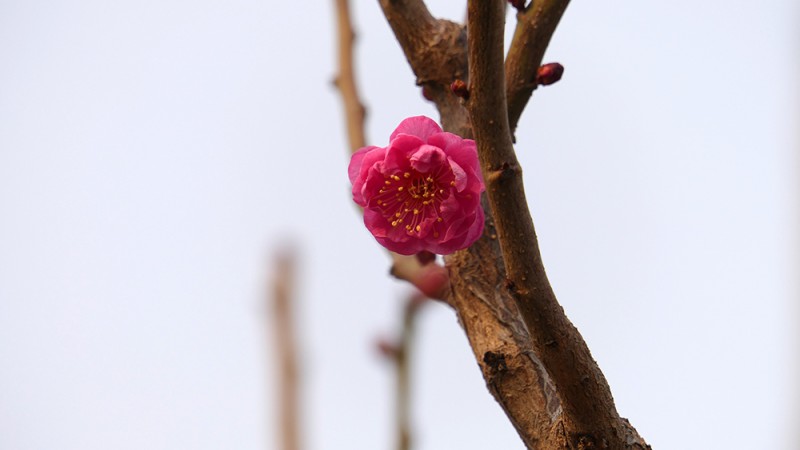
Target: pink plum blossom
421 192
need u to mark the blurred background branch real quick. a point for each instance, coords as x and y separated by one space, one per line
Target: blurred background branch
282 299
400 353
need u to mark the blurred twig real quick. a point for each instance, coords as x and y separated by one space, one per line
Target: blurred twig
354 110
400 353
286 346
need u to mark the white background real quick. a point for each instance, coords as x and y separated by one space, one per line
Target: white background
153 154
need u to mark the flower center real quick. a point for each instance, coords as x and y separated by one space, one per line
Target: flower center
409 198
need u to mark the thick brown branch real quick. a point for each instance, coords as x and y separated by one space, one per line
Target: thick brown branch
499 340
590 417
286 346
435 50
535 27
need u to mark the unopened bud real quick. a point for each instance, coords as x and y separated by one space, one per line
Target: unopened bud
518 4
459 88
426 93
425 257
549 74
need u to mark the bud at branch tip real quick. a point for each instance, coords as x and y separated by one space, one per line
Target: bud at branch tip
549 73
459 88
519 5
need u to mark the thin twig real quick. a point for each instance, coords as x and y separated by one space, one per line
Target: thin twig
403 359
405 268
535 27
354 110
586 398
288 385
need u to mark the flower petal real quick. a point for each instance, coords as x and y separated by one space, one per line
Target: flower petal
420 126
354 168
459 176
427 159
399 152
462 151
445 140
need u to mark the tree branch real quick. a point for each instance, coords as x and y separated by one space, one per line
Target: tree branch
590 417
403 366
354 110
435 50
535 27
515 371
288 390
514 374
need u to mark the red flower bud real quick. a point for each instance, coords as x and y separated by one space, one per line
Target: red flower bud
549 74
459 88
426 93
425 257
518 4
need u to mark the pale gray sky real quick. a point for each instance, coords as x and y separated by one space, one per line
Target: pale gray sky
152 153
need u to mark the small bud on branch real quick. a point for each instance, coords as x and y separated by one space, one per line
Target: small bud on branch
426 93
460 88
549 73
425 257
518 4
